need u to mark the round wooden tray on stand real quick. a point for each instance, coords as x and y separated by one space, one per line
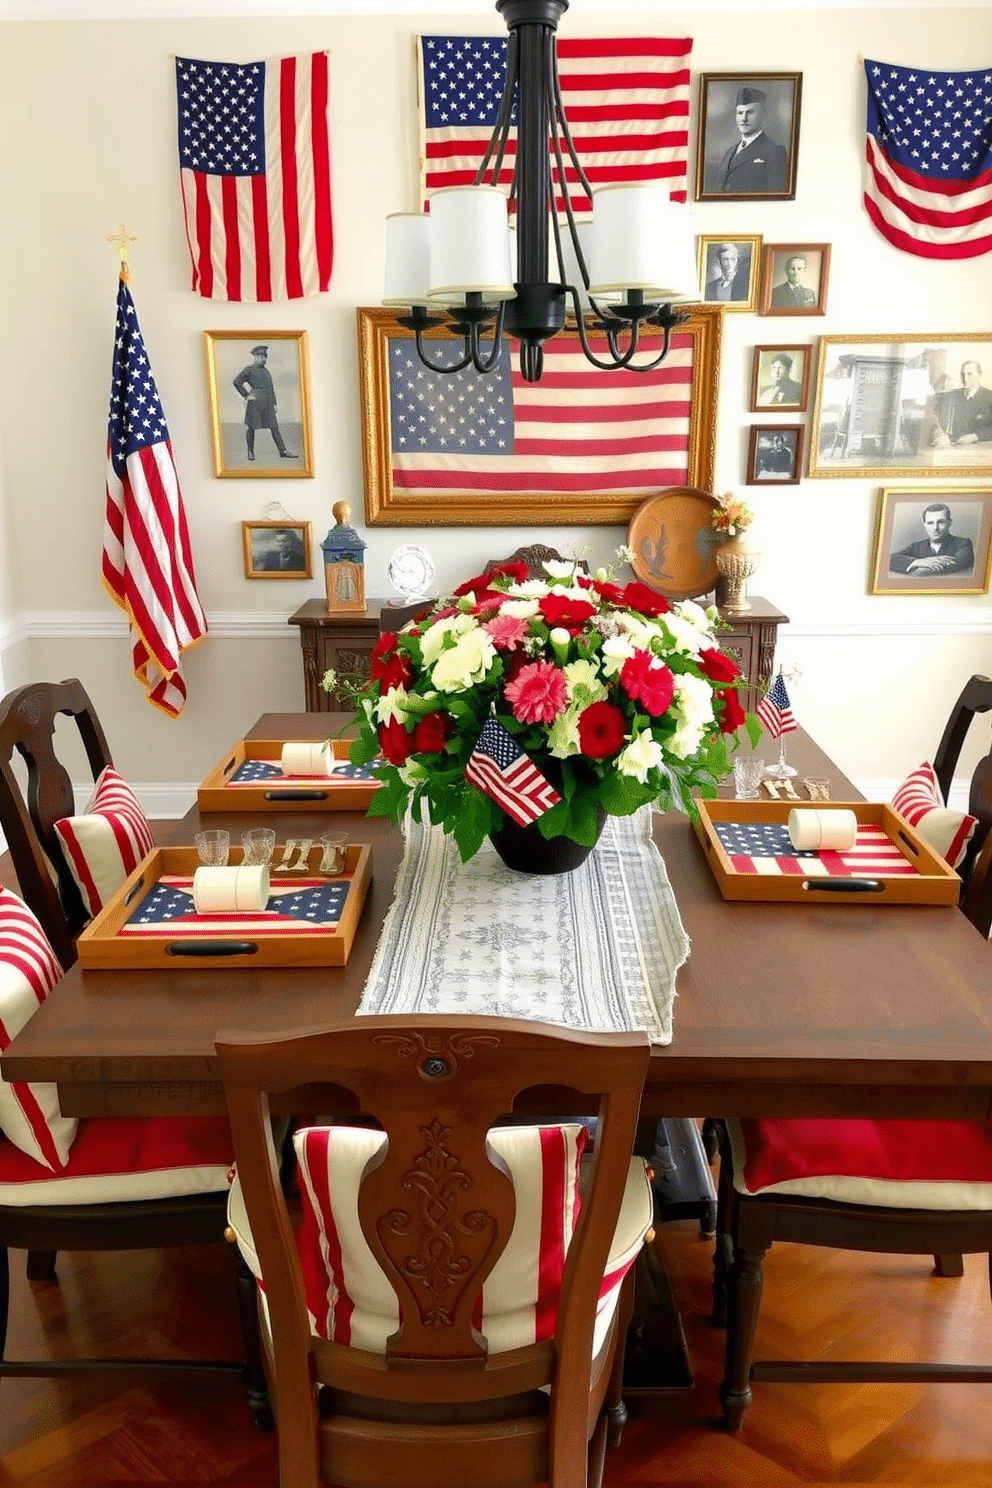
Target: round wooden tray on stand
673 544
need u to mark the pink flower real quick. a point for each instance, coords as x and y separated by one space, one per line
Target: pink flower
538 693
648 681
506 632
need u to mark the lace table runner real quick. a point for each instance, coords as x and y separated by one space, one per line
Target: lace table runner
597 948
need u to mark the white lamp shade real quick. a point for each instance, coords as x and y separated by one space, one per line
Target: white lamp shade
469 241
408 259
642 240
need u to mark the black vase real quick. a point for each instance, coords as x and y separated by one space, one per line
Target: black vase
525 850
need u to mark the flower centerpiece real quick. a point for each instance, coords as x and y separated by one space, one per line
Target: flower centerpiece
614 696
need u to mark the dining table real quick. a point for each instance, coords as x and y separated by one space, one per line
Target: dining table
816 1008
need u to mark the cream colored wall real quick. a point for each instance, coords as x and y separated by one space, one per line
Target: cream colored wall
87 139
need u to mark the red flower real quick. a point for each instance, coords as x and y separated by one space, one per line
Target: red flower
383 649
718 666
396 672
432 733
395 741
644 600
648 681
518 572
514 665
572 614
612 593
733 713
602 730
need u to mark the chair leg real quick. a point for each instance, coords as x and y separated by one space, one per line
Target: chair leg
255 1382
5 1297
711 1140
613 1404
744 1301
41 1265
948 1265
723 1251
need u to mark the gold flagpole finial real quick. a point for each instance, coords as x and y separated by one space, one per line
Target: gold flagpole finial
122 237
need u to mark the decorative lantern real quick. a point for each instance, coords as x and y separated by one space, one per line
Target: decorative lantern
344 564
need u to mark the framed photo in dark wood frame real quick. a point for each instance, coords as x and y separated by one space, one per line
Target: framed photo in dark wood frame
775 455
794 279
780 378
932 540
748 141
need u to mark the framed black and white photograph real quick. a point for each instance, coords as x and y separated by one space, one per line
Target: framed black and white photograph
728 271
258 383
775 454
748 140
780 378
932 540
794 278
903 405
279 549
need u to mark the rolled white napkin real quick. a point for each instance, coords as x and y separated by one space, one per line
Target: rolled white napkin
238 890
810 830
303 757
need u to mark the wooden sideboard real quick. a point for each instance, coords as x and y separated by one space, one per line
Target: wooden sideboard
344 643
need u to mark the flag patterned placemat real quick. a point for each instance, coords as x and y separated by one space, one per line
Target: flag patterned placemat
304 907
594 949
252 771
765 848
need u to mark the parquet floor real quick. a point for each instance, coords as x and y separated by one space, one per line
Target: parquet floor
61 1434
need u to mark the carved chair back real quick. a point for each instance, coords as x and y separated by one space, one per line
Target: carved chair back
976 697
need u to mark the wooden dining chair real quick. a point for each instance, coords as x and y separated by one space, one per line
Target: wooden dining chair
99 1184
975 698
431 1319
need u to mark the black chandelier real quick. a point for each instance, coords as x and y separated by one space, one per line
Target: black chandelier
634 258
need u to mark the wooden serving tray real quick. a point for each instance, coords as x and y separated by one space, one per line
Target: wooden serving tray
222 792
115 938
889 864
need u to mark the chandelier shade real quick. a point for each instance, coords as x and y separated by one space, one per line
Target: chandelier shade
470 245
408 259
641 240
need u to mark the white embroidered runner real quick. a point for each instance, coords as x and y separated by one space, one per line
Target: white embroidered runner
597 948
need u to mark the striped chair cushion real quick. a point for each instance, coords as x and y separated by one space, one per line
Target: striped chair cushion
348 1297
919 800
29 1113
107 842
116 1161
898 1164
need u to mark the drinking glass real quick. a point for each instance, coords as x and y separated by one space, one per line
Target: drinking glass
259 844
749 772
213 847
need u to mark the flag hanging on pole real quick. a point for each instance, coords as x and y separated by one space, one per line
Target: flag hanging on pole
775 710
626 100
928 187
147 561
255 170
498 766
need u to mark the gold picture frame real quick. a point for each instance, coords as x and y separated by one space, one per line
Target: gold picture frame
881 400
279 548
276 441
911 527
555 486
737 290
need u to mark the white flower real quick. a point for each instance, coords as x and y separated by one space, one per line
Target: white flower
640 756
563 734
584 684
559 568
625 553
685 638
615 651
392 705
520 609
465 663
693 699
529 589
695 614
641 631
433 641
686 739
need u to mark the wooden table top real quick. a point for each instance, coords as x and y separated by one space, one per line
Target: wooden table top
782 1009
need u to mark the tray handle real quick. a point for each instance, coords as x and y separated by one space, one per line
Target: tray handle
212 948
845 885
295 795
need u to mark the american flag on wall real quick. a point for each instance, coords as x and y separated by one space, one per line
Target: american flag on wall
929 159
147 560
254 157
577 430
626 100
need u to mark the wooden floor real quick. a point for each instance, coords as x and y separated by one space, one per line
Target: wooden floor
112 1430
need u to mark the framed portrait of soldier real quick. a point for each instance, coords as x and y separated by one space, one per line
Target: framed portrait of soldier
259 392
794 279
748 140
729 270
780 378
932 540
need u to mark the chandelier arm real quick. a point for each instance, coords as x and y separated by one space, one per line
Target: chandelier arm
432 366
501 129
566 132
480 363
623 361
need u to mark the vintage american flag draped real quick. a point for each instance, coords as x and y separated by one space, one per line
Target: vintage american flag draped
254 157
577 430
929 159
498 766
626 100
775 710
147 561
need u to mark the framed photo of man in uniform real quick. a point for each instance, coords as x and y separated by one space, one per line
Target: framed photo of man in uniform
794 279
780 378
748 141
932 540
259 403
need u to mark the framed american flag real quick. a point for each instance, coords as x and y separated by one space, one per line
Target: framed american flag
488 449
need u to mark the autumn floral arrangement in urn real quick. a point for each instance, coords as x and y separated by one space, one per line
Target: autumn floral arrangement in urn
736 560
547 704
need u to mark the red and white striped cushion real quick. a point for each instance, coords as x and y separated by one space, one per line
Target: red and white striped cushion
107 842
919 800
348 1296
899 1164
118 1160
29 1113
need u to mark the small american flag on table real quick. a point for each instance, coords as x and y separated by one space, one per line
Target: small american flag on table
775 710
498 766
765 848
